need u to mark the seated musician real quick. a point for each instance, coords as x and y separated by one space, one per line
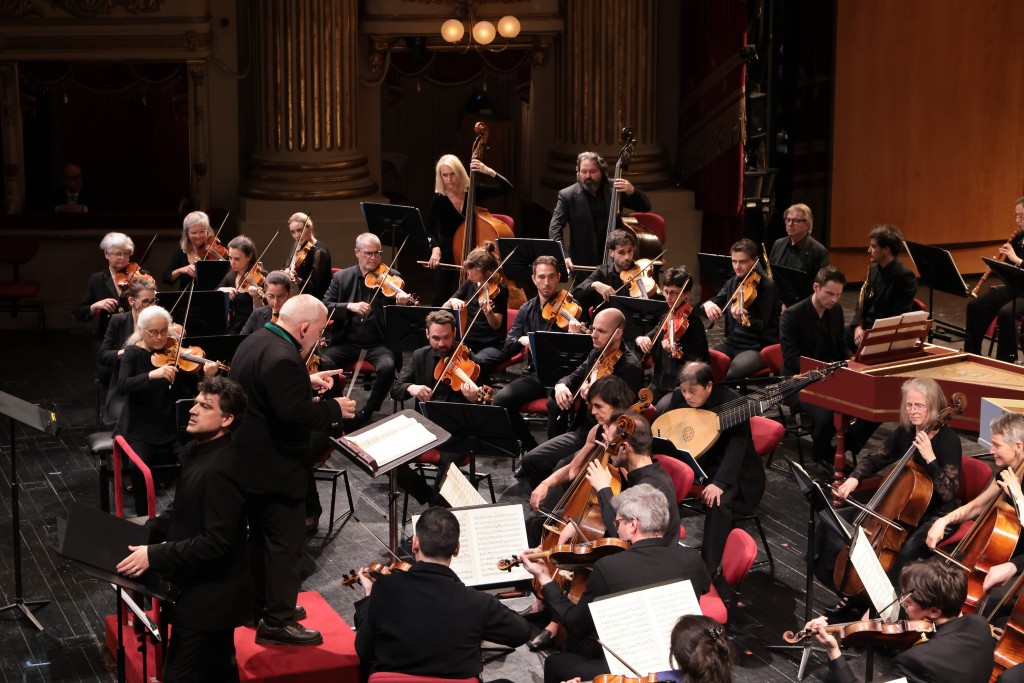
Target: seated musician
689 345
743 342
890 287
103 297
275 292
243 294
961 649
701 649
312 274
141 293
359 324
195 232
425 621
528 387
486 339
798 250
998 302
418 381
642 517
735 471
606 279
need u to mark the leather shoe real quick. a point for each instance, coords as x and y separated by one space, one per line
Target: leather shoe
539 617
542 641
251 622
289 634
300 612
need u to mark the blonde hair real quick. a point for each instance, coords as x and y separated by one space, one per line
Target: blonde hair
807 214
194 218
933 398
452 162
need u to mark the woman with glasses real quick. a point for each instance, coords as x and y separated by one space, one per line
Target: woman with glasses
141 294
148 421
103 297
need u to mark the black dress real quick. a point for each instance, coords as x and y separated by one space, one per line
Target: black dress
241 305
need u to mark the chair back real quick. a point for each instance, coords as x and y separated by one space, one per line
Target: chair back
392 677
767 434
653 222
974 477
510 317
679 472
17 251
719 364
507 220
772 357
738 556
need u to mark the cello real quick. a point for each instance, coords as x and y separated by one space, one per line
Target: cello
647 243
902 500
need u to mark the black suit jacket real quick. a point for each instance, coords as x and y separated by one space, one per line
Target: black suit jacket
274 437
763 314
811 255
647 562
960 650
205 552
101 286
118 330
587 238
893 289
426 622
260 317
347 287
421 371
798 330
627 367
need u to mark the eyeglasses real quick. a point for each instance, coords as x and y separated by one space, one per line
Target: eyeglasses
620 520
904 598
119 254
370 253
914 407
156 333
1018 216
146 302
795 220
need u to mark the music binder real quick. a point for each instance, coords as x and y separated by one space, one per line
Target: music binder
519 266
358 446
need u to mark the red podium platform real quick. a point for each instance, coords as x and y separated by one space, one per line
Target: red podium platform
335 660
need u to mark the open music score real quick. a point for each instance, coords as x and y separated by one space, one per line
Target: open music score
892 337
637 624
876 582
487 534
389 441
457 489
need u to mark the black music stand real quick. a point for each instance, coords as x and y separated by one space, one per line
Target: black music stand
17 410
519 266
939 272
660 446
219 347
392 222
405 326
642 315
209 274
475 430
208 315
557 354
794 285
1013 277
716 270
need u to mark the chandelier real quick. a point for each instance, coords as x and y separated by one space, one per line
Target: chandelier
481 32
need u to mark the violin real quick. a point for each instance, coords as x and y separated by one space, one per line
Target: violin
639 279
190 359
255 277
376 570
618 678
561 310
389 285
301 254
901 634
676 326
571 555
605 366
458 370
125 277
313 362
745 295
213 250
485 298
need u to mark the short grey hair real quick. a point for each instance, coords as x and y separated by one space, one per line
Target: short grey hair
366 239
117 240
1010 426
647 505
303 308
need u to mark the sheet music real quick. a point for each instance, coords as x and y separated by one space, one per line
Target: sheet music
488 534
393 439
458 491
880 589
637 624
907 322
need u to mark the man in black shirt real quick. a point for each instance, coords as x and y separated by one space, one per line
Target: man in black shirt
891 286
798 250
607 280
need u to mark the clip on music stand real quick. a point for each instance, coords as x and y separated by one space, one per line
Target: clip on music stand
404 326
361 459
519 266
557 354
793 285
939 272
1012 276
642 315
716 270
392 222
17 410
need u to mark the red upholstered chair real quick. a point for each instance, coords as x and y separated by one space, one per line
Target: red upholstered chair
737 561
682 481
653 222
719 364
974 477
510 317
16 252
391 677
507 220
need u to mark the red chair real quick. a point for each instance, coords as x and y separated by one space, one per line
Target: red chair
16 252
682 481
653 222
974 477
510 317
507 220
391 677
719 364
737 561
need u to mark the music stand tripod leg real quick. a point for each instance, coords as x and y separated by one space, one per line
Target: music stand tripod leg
393 511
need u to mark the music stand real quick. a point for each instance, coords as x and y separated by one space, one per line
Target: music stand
716 270
17 410
209 274
391 222
1013 277
642 315
208 315
404 326
939 272
557 354
794 285
220 347
519 266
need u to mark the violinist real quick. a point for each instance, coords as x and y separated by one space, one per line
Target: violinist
701 649
751 326
195 237
359 322
669 355
238 282
141 295
425 621
997 302
103 297
607 279
448 212
487 337
276 291
418 381
528 387
891 286
735 472
798 250
961 648
148 421
642 517
311 260
584 206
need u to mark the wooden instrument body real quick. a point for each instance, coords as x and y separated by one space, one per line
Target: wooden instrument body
900 634
648 246
1010 648
991 541
691 429
905 503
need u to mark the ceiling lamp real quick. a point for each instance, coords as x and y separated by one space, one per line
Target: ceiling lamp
482 33
508 27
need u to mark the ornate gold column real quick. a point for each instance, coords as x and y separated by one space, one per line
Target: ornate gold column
10 129
607 81
306 81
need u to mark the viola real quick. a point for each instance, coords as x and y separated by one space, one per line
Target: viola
676 326
390 285
213 250
376 570
485 299
458 370
562 310
570 555
639 279
901 634
124 278
606 365
617 678
190 359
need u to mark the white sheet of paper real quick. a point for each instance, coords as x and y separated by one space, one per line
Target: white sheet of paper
393 439
458 491
880 589
637 624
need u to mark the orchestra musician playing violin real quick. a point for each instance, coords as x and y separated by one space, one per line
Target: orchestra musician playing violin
675 341
642 516
358 311
196 240
701 649
103 295
309 265
242 282
609 279
890 287
797 250
998 302
584 206
961 649
141 294
530 318
451 619
448 212
751 312
735 472
276 291
486 339
151 386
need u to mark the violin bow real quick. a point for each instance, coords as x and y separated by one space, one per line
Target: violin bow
256 265
140 262
455 351
390 266
355 373
385 545
315 346
295 247
739 288
627 283
216 236
553 323
621 660
496 271
596 362
668 316
181 342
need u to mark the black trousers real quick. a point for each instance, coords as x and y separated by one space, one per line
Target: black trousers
543 460
718 522
997 303
489 357
565 666
380 357
513 396
200 656
416 484
277 533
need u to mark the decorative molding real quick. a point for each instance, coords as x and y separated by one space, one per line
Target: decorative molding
94 8
16 9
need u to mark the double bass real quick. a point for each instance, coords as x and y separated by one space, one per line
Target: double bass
647 243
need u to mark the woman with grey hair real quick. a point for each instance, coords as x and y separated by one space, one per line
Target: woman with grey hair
195 232
103 297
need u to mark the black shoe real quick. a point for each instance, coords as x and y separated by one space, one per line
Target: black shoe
300 612
252 623
543 641
541 617
844 610
289 634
